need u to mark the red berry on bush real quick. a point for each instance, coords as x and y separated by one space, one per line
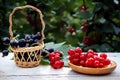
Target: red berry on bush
88 41
70 29
84 23
83 8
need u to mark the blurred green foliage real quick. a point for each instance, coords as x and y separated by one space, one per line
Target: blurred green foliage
64 22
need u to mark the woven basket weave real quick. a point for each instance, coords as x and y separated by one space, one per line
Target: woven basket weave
27 56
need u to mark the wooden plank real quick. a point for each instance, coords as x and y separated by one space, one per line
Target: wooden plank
58 78
9 71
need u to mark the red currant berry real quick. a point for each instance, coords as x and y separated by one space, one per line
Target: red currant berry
71 59
95 54
96 57
71 52
102 60
83 8
89 62
82 63
84 23
76 61
51 55
82 57
90 51
57 53
57 58
78 50
57 65
103 55
77 55
101 65
96 64
107 61
89 55
62 64
52 59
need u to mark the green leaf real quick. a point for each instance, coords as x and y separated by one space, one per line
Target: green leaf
106 48
53 45
44 61
93 47
64 49
84 15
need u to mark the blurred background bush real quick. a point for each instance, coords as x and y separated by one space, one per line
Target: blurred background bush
89 24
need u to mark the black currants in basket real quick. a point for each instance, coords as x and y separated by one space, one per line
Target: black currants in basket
27 41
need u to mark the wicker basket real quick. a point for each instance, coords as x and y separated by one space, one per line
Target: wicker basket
27 56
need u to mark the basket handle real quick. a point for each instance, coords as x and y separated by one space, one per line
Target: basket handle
23 7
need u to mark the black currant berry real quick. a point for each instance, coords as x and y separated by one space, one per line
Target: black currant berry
36 40
50 50
37 36
30 41
5 53
22 43
6 40
61 54
44 53
14 44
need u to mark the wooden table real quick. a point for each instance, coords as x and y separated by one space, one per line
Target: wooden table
9 71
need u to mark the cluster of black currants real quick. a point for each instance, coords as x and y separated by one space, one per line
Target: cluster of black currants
45 53
6 41
27 41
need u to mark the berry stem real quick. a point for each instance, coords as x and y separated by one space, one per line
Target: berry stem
83 2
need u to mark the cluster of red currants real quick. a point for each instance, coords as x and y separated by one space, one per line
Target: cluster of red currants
55 60
88 59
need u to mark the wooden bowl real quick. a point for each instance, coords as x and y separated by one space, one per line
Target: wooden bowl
97 71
